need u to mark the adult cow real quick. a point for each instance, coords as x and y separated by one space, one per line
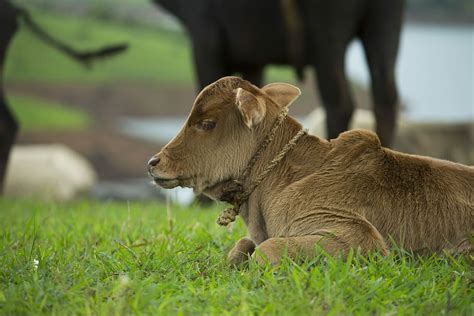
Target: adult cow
9 16
243 36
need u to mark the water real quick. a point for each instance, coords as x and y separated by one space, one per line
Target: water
160 129
435 71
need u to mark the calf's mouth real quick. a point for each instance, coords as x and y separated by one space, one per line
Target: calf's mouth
166 183
170 183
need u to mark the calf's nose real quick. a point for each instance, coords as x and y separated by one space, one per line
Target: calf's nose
153 161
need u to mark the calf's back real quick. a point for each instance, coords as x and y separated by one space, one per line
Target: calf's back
419 202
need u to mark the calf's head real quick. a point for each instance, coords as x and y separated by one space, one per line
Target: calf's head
228 120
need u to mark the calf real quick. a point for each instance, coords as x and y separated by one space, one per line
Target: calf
295 191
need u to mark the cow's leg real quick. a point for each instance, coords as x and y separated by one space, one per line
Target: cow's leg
380 37
8 130
329 27
338 239
208 55
242 250
8 124
254 75
334 89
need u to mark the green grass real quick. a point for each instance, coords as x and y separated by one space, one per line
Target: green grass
36 114
110 258
154 55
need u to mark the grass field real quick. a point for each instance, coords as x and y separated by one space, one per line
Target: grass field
107 258
154 55
36 114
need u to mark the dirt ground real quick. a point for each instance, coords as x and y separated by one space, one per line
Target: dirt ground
114 155
106 101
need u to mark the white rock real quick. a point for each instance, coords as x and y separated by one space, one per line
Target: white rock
48 172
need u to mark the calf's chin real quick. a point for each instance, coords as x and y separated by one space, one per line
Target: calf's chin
167 183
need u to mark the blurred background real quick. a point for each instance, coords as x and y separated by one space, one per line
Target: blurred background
121 111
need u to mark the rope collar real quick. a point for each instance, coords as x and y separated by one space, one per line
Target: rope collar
234 192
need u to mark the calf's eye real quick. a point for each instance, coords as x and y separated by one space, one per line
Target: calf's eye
206 125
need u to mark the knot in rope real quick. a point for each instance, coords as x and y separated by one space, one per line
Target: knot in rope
239 197
227 216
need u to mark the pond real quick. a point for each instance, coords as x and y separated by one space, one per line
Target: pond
435 71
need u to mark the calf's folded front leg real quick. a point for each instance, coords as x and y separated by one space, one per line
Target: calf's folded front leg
334 242
242 250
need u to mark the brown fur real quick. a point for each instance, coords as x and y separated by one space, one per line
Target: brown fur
345 193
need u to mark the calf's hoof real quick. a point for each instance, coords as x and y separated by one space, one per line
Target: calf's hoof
241 252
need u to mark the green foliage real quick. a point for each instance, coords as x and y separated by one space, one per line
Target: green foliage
36 114
110 258
461 10
153 55
452 6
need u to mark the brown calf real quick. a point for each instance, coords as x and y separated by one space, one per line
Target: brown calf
344 193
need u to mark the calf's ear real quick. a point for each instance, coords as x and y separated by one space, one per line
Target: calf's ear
282 94
252 108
